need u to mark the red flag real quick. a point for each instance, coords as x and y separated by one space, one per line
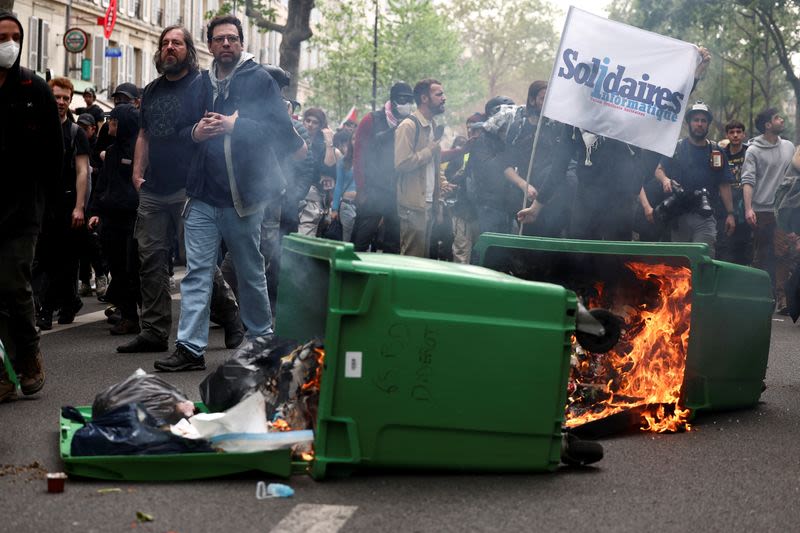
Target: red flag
352 116
110 18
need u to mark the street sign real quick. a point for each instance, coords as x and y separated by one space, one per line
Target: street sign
86 69
110 19
113 52
75 40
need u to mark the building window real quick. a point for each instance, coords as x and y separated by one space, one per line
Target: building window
98 62
38 38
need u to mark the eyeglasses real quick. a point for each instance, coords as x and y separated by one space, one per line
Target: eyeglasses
220 39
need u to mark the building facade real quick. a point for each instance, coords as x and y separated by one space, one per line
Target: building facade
127 56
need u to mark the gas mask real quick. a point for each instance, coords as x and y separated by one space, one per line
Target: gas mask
9 51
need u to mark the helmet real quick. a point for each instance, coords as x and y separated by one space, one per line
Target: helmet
698 107
493 105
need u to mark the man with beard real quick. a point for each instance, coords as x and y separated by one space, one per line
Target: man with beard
419 178
161 161
31 149
374 174
697 164
241 125
765 164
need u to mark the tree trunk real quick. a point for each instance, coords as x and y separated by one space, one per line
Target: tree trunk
6 5
296 30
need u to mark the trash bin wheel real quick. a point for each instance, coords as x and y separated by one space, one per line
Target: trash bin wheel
603 343
577 452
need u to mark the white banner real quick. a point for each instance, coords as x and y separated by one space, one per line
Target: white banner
621 82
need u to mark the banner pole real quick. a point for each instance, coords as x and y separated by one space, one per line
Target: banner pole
541 116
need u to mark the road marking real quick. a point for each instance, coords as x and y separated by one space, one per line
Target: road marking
309 518
88 318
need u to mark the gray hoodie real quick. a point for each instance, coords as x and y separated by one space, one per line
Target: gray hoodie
764 166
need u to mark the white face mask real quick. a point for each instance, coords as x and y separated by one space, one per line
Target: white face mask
405 109
9 51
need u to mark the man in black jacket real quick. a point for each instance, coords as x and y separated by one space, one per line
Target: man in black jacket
242 125
30 154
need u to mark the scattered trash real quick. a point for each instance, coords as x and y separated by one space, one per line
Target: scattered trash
34 471
247 370
109 491
243 428
130 430
163 401
144 517
55 482
273 490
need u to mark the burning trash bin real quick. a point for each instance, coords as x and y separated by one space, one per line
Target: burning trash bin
694 332
428 364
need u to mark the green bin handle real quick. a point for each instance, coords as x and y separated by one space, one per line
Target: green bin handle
12 376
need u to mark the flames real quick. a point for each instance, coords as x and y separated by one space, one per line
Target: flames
646 368
315 383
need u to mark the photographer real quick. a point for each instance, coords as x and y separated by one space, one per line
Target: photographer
697 169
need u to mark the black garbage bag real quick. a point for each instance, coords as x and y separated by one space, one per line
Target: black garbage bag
247 370
130 430
163 401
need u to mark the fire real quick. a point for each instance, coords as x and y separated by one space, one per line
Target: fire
646 368
281 425
315 383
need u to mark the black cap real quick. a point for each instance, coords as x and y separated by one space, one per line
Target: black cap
126 89
89 90
86 119
399 89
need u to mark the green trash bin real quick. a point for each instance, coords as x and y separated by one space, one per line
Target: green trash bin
428 364
731 305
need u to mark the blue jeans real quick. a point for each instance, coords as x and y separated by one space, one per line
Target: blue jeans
204 226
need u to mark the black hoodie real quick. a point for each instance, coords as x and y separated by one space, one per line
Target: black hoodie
31 148
115 194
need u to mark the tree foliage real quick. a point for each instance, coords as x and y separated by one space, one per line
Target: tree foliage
415 41
512 41
752 41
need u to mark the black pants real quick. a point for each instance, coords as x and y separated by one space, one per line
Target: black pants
57 255
17 322
119 246
367 231
91 256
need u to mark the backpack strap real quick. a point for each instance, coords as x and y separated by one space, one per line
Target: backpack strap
417 127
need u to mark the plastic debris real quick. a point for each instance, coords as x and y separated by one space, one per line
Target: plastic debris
144 517
273 490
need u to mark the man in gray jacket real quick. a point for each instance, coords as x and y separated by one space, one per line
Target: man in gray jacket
765 164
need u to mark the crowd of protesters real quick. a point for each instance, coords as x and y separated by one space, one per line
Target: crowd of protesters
212 168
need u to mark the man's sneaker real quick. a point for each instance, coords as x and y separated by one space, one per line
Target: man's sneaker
8 391
126 327
31 375
101 286
67 314
142 345
180 361
115 317
85 290
45 320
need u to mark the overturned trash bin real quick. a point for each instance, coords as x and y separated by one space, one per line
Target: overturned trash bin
721 322
428 364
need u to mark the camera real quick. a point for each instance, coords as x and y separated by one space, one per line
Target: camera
682 201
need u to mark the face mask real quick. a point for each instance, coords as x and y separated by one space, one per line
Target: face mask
405 109
9 51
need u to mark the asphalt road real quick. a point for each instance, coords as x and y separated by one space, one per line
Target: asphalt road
736 471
